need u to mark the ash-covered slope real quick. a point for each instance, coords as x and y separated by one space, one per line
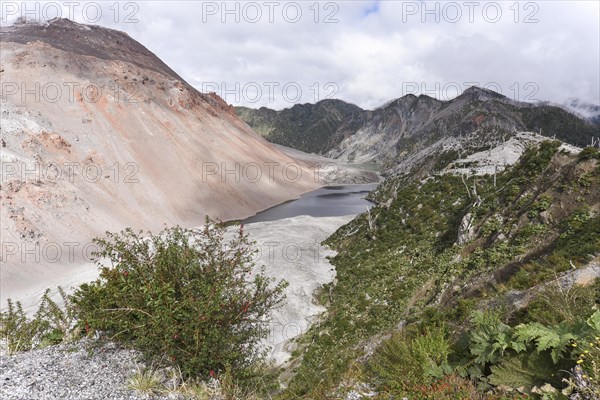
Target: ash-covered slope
88 40
99 134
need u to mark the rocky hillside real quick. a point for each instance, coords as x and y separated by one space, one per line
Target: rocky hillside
99 134
465 286
312 128
408 125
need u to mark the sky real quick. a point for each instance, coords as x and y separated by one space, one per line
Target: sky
279 53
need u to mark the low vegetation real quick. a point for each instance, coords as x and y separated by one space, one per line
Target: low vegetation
186 299
182 294
453 287
438 311
53 323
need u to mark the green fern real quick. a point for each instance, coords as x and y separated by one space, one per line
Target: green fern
59 321
528 355
432 351
51 324
555 339
490 338
594 323
17 331
523 372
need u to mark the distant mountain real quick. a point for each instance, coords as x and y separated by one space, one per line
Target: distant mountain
393 132
313 128
411 124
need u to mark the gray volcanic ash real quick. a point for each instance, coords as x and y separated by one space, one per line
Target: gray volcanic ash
99 134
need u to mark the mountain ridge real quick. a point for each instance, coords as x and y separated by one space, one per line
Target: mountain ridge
380 131
90 40
326 116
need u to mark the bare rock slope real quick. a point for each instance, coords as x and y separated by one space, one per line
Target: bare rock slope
411 124
99 134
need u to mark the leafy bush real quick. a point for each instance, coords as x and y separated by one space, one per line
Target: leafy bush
589 153
184 294
51 324
541 204
580 240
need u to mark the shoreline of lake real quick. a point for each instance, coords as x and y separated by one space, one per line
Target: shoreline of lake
327 201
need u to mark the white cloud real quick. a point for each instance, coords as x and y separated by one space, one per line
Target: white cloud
377 49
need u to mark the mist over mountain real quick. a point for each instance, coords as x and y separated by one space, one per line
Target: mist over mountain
587 110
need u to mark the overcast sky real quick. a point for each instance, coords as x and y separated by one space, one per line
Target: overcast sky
276 53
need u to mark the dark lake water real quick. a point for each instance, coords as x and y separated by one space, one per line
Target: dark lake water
329 201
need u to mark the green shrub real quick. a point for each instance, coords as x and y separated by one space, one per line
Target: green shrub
51 324
18 331
186 295
589 153
542 203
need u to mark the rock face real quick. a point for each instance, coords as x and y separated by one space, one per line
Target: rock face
389 131
404 127
466 230
411 124
99 134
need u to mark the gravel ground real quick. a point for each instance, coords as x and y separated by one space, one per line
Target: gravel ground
75 371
